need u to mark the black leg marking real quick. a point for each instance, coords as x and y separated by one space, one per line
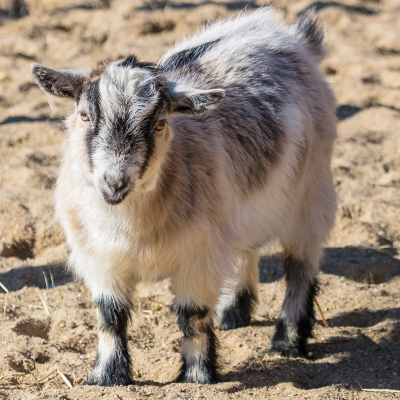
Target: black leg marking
238 314
293 328
113 363
199 348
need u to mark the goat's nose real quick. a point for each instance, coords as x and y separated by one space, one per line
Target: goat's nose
115 184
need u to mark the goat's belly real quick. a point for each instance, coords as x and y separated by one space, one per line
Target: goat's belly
263 217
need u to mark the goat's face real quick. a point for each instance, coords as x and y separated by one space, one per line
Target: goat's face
121 116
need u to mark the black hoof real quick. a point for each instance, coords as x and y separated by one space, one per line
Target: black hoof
287 350
238 315
234 318
110 381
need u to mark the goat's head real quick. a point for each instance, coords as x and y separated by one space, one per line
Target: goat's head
121 117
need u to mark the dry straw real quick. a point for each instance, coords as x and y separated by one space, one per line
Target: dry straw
5 299
44 389
4 288
13 303
5 305
64 378
47 376
117 395
322 315
45 279
42 299
12 375
52 278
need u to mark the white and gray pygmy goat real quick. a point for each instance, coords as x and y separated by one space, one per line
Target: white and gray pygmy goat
186 168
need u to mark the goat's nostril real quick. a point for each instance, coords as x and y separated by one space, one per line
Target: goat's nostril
115 184
122 183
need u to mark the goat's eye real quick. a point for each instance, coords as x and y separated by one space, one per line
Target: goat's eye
84 116
159 126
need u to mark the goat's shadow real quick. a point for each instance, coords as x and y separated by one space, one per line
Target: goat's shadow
32 276
357 263
359 360
360 264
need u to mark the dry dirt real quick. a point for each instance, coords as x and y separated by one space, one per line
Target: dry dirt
360 291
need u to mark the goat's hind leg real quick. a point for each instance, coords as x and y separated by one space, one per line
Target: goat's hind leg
236 307
297 317
303 248
113 363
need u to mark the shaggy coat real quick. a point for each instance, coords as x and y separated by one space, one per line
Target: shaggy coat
186 169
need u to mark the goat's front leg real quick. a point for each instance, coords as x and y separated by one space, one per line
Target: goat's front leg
113 363
199 347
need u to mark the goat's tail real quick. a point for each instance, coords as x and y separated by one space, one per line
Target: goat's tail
307 27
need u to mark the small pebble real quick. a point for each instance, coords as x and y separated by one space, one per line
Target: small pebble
71 325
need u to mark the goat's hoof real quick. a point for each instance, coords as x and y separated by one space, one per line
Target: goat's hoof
231 320
203 378
287 350
238 314
110 381
234 318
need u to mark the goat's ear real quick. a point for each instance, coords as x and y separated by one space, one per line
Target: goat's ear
194 101
59 83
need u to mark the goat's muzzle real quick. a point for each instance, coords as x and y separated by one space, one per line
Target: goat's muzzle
114 189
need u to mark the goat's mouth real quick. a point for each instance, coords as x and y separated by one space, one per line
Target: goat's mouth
114 198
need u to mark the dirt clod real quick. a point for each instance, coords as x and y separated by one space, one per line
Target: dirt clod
33 327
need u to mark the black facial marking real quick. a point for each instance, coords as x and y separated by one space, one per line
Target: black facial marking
281 342
93 95
238 314
185 57
114 320
147 128
123 139
189 320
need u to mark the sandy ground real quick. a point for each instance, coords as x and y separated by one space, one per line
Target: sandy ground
360 291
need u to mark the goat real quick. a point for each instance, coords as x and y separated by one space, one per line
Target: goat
186 169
